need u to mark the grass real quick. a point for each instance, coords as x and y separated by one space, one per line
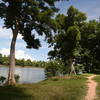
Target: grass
97 79
87 74
52 89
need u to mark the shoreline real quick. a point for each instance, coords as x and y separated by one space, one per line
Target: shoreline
20 66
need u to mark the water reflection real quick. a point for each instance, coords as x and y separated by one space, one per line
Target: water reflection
27 75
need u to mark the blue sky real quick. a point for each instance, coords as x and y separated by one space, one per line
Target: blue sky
90 7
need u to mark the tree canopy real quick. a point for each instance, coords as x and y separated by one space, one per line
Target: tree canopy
27 17
66 42
30 17
77 40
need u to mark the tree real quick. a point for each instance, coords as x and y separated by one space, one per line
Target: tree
66 43
5 60
28 62
54 68
91 45
22 62
26 17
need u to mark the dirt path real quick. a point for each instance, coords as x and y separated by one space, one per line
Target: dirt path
91 94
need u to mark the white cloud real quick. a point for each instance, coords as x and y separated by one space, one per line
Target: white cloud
6 33
20 54
18 37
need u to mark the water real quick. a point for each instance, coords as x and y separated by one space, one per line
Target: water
27 75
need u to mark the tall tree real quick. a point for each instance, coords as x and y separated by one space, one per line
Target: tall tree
67 41
90 45
27 17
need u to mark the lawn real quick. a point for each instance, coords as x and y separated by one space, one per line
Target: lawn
52 89
97 79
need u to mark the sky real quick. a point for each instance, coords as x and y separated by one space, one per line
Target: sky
90 7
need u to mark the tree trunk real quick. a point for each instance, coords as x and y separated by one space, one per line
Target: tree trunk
72 68
11 78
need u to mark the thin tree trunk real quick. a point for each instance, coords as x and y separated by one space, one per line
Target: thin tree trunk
11 78
72 68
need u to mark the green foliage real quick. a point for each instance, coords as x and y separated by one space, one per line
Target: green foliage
66 44
54 68
4 60
79 68
90 44
75 17
73 38
28 62
77 39
17 77
73 33
2 79
51 69
29 18
26 16
20 62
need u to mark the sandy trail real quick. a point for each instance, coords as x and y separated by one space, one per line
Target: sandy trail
91 94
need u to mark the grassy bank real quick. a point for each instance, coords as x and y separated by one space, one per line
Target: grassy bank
52 89
97 79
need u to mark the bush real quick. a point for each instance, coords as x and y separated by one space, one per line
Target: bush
79 68
17 77
2 79
54 68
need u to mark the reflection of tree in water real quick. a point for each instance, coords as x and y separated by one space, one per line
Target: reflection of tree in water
27 75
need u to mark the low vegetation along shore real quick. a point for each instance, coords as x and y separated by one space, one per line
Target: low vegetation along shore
73 88
20 66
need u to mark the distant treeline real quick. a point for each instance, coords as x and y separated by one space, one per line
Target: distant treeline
52 68
4 60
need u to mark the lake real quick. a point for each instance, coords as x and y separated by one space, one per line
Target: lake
27 74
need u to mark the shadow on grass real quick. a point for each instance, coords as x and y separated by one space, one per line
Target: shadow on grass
14 93
52 89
